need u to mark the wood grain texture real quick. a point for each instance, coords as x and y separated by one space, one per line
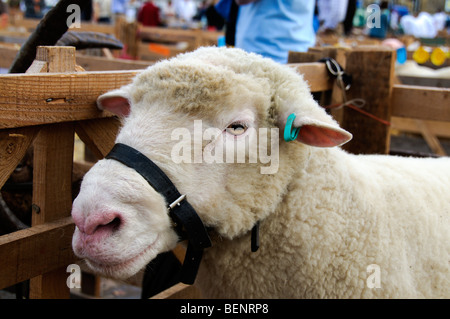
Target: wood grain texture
34 99
13 146
373 73
425 103
315 74
40 249
98 135
52 172
52 175
179 291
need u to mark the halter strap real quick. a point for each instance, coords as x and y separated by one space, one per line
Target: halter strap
187 223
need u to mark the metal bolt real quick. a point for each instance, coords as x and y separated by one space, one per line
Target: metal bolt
35 208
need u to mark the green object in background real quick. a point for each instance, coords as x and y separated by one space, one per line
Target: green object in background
359 19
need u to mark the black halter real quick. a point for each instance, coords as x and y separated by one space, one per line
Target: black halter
187 223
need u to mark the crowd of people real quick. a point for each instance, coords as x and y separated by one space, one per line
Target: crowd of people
269 27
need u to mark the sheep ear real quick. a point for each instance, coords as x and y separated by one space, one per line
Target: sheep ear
318 133
116 101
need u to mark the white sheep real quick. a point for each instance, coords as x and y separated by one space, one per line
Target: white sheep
332 224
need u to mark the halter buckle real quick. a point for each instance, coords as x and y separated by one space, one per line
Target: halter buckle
177 202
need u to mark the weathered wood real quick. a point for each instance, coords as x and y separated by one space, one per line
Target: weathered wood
89 63
13 146
195 37
52 172
373 73
98 135
52 196
92 63
304 57
315 74
71 97
52 175
418 102
51 59
28 253
430 138
438 128
56 97
332 93
179 291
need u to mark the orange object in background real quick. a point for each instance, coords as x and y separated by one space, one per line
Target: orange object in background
159 49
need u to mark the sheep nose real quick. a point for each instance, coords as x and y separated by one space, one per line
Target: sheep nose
98 222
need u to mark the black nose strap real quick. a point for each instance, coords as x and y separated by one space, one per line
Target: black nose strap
187 223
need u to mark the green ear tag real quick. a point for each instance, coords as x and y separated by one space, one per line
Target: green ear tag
289 133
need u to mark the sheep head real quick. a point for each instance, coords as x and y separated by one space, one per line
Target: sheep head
187 115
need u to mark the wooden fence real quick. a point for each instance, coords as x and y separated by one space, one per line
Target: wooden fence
417 109
142 43
46 110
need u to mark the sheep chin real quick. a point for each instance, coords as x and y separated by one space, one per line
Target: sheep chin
128 267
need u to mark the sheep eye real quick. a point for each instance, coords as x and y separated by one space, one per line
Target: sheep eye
236 129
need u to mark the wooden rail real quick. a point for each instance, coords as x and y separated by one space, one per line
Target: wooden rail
46 110
134 36
426 103
407 107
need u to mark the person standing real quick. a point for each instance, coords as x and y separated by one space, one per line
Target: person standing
331 14
149 14
103 11
272 28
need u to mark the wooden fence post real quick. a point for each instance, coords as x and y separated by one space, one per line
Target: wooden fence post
52 171
372 70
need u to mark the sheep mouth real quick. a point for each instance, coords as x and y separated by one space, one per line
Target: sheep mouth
113 269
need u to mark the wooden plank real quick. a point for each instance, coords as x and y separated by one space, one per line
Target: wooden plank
92 63
373 74
7 55
303 57
430 138
421 81
71 97
159 34
89 63
418 102
438 128
179 291
52 175
52 196
27 253
58 59
52 172
13 146
55 97
315 74
99 135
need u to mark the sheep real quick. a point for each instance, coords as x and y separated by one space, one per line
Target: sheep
332 224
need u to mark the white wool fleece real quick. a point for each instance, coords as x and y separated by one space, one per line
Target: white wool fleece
333 224
341 215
